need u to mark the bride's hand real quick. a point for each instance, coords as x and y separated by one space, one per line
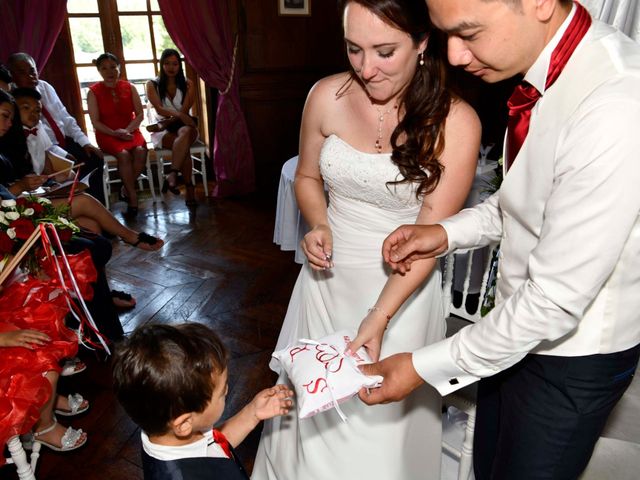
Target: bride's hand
317 245
370 335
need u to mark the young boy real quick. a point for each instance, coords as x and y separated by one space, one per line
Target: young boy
38 142
172 381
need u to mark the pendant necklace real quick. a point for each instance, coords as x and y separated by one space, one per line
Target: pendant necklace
381 116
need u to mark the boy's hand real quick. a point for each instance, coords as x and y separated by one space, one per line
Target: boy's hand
272 402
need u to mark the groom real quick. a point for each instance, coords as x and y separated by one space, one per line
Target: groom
562 343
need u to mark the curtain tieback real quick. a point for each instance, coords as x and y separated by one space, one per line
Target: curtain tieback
233 68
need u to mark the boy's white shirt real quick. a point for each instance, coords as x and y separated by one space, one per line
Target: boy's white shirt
204 447
38 145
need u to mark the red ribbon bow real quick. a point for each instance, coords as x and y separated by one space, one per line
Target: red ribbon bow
221 440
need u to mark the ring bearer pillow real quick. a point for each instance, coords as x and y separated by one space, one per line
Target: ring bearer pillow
323 377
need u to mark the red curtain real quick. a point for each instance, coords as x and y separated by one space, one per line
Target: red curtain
201 29
31 26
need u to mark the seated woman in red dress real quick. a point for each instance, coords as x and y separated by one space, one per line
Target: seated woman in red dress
116 113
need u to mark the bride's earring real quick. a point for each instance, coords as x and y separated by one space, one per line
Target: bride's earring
421 59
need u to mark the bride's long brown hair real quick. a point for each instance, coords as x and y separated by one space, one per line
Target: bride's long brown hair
426 100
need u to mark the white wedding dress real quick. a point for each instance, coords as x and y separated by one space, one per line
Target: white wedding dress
391 442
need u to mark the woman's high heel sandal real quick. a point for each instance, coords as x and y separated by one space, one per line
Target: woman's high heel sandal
166 186
190 200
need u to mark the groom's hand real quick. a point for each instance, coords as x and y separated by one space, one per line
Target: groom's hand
409 243
400 379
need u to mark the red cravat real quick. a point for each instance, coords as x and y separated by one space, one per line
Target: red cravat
54 126
221 440
525 96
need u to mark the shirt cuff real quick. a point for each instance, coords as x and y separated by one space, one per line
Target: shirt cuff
82 140
451 243
437 367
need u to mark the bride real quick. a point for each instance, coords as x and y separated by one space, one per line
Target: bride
393 146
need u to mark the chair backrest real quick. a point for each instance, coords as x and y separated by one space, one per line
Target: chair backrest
474 266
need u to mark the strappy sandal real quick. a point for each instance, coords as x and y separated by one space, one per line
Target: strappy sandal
122 195
144 238
122 299
132 211
190 195
75 406
72 366
68 442
166 186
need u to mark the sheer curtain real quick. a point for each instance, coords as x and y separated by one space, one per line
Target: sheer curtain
623 14
202 31
31 26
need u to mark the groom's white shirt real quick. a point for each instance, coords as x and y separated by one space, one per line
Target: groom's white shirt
567 218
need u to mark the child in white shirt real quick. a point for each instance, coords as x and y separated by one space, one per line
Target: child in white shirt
172 381
38 142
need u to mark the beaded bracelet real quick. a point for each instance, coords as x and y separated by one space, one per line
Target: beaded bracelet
375 308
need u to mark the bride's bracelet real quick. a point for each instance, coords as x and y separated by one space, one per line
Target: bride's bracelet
375 308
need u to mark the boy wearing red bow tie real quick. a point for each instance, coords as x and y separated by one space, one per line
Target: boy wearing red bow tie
172 381
38 142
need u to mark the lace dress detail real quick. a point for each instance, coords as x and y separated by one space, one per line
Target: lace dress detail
363 176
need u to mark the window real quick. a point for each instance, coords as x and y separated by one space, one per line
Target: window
132 30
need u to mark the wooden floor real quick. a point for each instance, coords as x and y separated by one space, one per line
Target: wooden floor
219 267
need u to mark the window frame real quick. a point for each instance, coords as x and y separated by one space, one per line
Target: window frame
109 18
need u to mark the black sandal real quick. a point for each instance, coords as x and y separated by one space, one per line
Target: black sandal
168 187
122 195
191 195
125 297
149 240
132 211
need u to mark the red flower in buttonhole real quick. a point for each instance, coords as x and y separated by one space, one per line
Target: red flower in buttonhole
23 227
6 244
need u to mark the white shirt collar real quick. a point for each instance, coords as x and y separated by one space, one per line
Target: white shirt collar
537 74
204 447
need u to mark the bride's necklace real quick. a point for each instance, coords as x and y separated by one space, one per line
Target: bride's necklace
381 115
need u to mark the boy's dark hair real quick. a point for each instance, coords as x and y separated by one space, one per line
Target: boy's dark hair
161 372
22 92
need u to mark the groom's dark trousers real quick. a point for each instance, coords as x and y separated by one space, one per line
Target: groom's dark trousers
541 418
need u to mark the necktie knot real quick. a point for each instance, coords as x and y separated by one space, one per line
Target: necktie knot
30 131
525 95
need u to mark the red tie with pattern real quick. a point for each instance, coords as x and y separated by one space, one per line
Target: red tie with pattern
54 126
221 440
525 95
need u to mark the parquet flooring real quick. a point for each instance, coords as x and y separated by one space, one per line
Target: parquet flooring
219 267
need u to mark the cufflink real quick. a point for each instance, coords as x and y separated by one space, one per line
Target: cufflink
454 381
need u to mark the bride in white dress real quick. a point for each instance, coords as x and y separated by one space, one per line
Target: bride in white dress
393 101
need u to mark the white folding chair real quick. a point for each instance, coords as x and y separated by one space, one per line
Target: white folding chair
197 150
110 176
25 465
459 317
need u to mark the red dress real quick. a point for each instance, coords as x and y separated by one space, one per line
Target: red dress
35 305
116 111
